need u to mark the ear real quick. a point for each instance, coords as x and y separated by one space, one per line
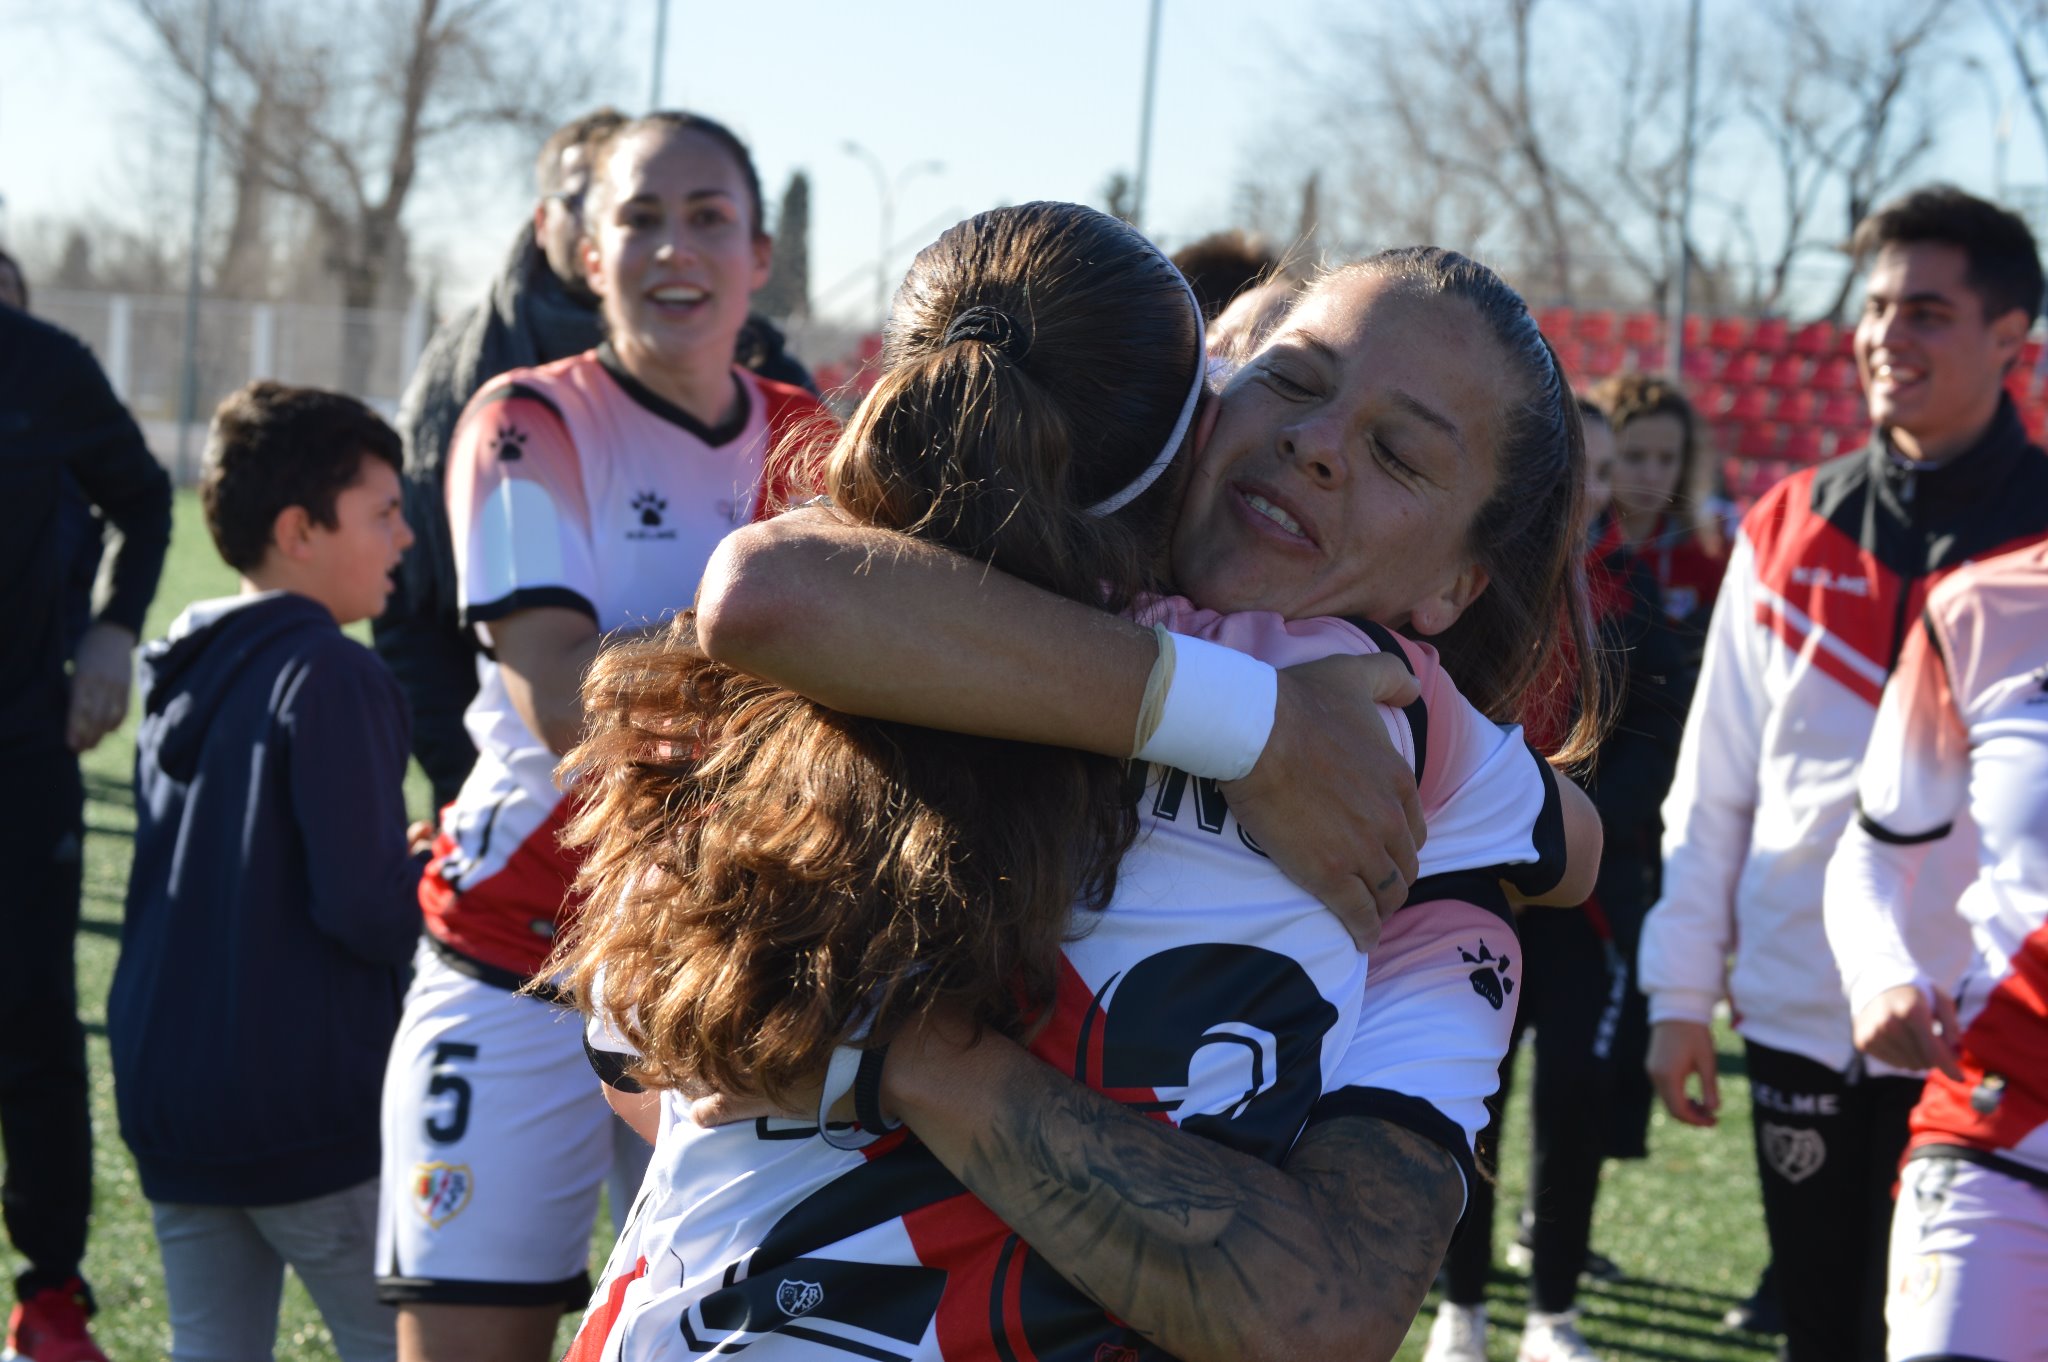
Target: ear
2009 334
764 256
593 263
1441 609
1205 421
540 219
291 534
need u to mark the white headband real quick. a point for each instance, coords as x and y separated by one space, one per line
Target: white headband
1117 501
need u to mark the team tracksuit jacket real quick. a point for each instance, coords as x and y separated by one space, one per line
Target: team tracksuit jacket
1830 571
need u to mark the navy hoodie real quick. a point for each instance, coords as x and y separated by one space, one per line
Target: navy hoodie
272 907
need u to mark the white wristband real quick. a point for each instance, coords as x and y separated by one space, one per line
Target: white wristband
1217 714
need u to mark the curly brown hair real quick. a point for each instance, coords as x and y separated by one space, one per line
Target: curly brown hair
1629 397
765 873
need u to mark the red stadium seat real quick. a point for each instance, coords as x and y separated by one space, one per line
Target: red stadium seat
1727 333
1793 406
1750 404
1555 323
1835 374
1842 439
1738 368
1802 445
2030 355
1642 328
1570 353
1760 440
1845 342
1596 328
1814 338
1787 371
1699 365
1695 329
1711 399
1768 335
1646 359
1845 409
1601 360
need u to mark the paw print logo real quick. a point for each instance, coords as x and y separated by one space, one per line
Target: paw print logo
1490 980
650 506
510 446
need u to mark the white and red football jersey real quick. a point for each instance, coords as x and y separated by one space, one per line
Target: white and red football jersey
1963 730
572 485
1211 993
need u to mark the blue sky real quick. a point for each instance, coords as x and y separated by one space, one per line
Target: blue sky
1017 100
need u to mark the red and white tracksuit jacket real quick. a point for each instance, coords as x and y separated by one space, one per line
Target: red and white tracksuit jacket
1830 571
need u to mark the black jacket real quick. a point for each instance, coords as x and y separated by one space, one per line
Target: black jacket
272 908
63 433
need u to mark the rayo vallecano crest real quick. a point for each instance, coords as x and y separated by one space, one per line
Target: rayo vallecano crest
440 1191
795 1298
1796 1153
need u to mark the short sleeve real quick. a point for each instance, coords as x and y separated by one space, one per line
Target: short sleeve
1916 770
1435 1024
1490 801
517 512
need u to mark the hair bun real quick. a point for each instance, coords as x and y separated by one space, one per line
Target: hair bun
990 326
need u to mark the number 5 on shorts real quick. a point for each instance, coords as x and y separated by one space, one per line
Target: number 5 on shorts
446 1080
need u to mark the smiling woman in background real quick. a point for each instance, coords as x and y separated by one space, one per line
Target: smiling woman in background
584 497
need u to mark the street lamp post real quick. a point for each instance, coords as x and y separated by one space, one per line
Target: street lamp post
886 191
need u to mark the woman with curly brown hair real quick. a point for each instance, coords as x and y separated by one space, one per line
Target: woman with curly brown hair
1664 511
1422 408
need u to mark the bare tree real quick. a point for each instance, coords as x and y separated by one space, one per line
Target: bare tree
341 109
1543 131
787 296
2022 25
1843 115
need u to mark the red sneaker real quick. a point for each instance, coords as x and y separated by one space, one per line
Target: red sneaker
50 1326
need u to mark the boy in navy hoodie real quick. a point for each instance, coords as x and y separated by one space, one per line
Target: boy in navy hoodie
272 908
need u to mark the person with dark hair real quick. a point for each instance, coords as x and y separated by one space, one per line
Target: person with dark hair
1222 265
68 445
1664 510
584 497
1571 996
1823 587
13 284
273 900
540 309
1286 1134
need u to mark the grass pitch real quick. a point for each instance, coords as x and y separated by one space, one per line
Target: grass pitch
1685 1224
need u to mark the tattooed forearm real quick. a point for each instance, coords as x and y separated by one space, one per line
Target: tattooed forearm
1205 1251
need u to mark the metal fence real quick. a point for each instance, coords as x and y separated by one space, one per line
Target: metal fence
140 341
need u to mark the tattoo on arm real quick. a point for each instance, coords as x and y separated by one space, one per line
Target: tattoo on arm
1212 1253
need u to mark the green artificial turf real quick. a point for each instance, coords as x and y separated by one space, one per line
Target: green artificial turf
1684 1224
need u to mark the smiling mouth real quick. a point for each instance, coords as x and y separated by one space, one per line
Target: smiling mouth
677 297
1274 513
1896 375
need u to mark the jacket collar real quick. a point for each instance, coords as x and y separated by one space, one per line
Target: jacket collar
1970 477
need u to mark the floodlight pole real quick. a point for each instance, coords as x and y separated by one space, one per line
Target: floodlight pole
188 400
1676 305
1145 118
660 50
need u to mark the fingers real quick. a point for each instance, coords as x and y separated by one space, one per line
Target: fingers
1360 910
1945 1057
1708 1069
1390 682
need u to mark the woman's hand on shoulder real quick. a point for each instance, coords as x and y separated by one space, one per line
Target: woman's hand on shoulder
1330 800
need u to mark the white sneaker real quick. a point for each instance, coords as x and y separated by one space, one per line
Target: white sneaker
1458 1335
1554 1338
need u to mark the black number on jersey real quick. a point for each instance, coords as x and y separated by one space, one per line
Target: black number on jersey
446 1080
